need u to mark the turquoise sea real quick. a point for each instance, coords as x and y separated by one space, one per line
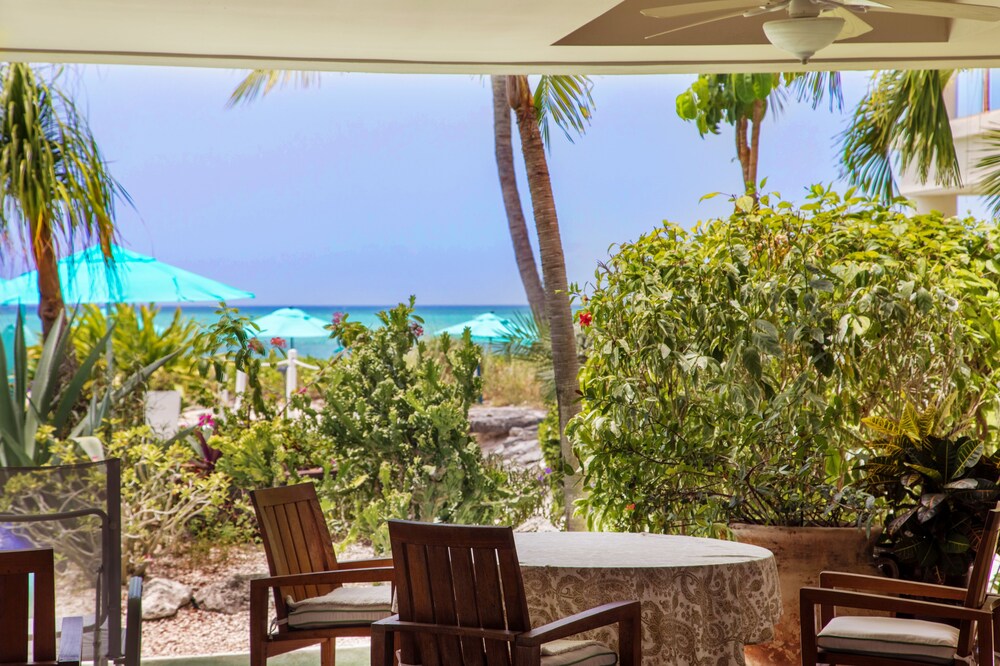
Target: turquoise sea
436 318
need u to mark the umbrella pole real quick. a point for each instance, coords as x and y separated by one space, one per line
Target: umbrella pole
292 374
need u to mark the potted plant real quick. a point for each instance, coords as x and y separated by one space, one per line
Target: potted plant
939 486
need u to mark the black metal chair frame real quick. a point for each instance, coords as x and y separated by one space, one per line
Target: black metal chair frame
108 603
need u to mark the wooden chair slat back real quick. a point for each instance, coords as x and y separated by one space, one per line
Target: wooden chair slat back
459 576
15 566
979 579
296 538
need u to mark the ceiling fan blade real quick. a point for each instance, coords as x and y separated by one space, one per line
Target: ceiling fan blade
701 7
861 4
693 24
854 26
757 11
941 8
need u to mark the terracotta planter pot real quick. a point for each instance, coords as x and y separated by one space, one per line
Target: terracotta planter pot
801 554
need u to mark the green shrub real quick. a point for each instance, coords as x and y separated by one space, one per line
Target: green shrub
398 423
271 453
164 501
136 342
731 365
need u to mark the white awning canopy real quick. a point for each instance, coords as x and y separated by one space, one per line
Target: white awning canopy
471 36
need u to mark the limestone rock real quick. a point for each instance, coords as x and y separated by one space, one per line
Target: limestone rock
498 421
521 448
162 597
230 595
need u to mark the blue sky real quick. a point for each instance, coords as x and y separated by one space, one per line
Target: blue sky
368 188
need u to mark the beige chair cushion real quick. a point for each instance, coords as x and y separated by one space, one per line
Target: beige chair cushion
345 605
578 653
930 642
569 653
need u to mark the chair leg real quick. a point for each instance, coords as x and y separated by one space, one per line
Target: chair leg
986 643
382 647
258 654
807 628
258 625
328 652
630 637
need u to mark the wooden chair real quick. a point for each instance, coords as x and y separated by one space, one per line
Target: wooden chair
15 566
305 571
461 602
948 633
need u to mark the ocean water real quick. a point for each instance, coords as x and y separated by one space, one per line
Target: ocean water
436 318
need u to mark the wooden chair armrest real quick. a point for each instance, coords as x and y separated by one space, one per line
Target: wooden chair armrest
393 623
366 564
132 638
579 622
811 596
831 579
71 641
336 577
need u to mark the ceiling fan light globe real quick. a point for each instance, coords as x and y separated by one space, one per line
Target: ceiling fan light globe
803 37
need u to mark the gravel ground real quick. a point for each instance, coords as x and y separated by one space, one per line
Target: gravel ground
194 632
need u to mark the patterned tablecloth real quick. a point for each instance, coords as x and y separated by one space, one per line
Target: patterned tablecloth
702 599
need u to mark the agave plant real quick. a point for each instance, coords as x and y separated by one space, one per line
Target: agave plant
35 409
940 487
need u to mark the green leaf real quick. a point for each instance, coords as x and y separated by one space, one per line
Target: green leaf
955 542
968 453
751 361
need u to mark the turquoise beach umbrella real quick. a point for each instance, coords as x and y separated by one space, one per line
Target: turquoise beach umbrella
135 278
486 328
291 323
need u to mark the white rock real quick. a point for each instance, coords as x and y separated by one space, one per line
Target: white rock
498 421
230 595
162 597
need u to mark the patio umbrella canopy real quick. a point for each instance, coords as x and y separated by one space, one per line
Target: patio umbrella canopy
486 328
291 323
135 278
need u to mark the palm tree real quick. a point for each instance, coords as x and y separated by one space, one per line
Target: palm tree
565 363
519 237
903 119
566 101
743 100
54 183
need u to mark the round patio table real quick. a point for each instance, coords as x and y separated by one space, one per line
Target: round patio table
702 600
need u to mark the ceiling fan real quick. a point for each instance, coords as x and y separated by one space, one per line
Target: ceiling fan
812 24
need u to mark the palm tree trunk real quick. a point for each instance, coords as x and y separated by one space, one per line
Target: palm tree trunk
755 122
50 299
743 152
565 363
519 237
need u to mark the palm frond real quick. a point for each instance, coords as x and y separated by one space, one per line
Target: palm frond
260 82
903 120
814 87
55 186
566 100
